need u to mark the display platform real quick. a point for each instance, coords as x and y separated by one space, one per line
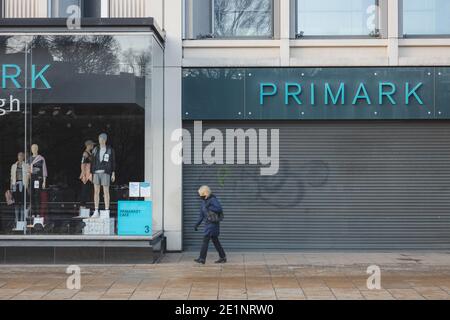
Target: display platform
82 249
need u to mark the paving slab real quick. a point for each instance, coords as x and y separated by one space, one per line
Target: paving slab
247 275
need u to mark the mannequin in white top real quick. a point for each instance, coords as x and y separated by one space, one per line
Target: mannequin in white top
103 168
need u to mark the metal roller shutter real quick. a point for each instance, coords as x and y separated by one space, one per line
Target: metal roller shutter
341 185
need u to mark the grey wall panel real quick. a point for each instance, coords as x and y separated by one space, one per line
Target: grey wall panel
266 93
341 185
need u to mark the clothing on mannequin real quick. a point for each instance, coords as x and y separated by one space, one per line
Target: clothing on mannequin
38 179
86 175
19 184
103 167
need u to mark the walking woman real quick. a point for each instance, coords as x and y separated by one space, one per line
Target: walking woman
210 212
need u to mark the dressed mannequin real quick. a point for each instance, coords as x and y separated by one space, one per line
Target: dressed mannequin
37 172
19 183
103 167
86 175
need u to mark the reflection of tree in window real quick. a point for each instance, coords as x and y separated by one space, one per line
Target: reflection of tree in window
13 45
136 61
88 54
242 18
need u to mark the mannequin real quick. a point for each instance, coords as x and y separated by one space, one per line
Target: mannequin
103 167
37 173
86 175
19 184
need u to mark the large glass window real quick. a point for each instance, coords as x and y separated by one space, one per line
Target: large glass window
228 18
237 18
337 18
62 8
430 17
76 118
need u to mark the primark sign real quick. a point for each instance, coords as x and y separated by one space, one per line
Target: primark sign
328 93
14 78
341 94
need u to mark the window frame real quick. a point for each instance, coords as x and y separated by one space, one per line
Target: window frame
271 36
379 25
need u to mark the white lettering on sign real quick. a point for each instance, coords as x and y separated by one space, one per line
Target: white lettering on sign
9 105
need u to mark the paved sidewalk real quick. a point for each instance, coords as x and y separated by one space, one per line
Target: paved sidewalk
305 275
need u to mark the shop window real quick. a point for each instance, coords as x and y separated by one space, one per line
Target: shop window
86 89
337 18
429 17
229 19
63 8
235 18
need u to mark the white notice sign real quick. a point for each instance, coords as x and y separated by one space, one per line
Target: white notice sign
146 190
134 189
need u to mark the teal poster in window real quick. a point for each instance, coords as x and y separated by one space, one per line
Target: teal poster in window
134 218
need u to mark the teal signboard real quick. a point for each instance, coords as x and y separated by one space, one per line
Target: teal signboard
134 218
316 93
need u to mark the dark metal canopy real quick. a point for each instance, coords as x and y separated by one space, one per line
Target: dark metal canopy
87 24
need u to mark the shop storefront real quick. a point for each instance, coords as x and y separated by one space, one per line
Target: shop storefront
79 111
357 158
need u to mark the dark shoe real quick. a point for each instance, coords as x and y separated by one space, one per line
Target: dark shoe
198 260
221 260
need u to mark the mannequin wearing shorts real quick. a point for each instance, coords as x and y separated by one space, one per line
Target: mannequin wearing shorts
103 168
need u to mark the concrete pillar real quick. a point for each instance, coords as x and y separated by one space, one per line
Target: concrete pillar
105 9
172 121
285 26
155 9
393 31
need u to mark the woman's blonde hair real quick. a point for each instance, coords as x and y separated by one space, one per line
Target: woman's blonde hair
204 190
